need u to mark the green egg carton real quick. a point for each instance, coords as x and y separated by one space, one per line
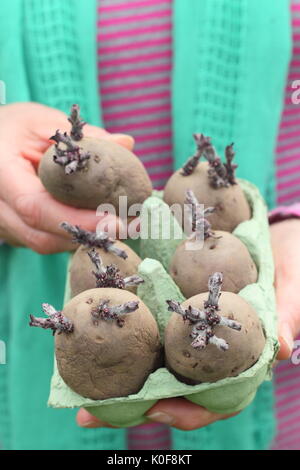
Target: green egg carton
225 396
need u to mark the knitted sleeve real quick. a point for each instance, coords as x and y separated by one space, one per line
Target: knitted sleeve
60 54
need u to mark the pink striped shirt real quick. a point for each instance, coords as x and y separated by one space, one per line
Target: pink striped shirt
134 64
288 144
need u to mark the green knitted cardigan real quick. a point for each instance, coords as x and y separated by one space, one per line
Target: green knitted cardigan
230 65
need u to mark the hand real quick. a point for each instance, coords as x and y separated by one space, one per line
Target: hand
177 412
29 216
285 236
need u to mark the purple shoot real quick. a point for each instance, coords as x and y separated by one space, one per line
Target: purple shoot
114 313
133 280
200 225
93 239
204 321
221 175
230 167
215 282
217 171
202 143
109 276
56 321
70 156
76 122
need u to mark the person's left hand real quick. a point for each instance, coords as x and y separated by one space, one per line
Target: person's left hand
184 415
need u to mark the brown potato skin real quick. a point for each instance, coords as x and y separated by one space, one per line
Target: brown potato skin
112 171
107 361
195 366
81 268
231 206
190 269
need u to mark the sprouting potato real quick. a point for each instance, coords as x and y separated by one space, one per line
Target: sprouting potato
111 252
85 172
208 251
106 342
213 184
210 337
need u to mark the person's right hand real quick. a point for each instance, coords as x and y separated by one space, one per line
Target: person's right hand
29 216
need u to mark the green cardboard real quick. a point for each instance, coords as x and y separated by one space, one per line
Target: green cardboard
225 396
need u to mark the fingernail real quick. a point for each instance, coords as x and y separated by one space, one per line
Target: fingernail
124 139
162 418
88 424
286 335
122 136
117 136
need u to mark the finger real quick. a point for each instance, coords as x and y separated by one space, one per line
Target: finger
44 121
85 420
7 237
287 307
182 414
39 145
286 341
23 191
40 141
56 119
125 140
19 234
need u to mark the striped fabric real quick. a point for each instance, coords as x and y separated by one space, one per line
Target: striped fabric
150 436
135 59
287 380
288 146
287 375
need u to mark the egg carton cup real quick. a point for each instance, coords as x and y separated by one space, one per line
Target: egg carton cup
228 395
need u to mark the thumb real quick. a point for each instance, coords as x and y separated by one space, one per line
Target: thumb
287 313
286 341
123 139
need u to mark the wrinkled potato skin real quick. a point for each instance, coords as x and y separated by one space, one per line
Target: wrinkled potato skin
211 364
190 269
107 361
112 171
81 276
231 206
